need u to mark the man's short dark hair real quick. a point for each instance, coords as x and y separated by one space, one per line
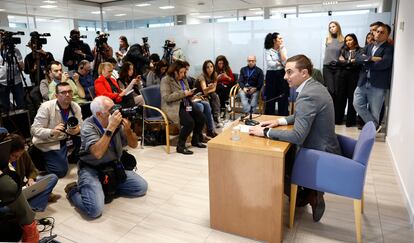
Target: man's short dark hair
302 62
379 23
61 84
49 67
17 142
74 31
154 57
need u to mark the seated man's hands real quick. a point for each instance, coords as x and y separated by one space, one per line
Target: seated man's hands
256 131
269 124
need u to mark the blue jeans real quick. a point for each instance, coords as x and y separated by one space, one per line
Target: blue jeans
39 202
245 98
204 107
89 197
368 102
56 161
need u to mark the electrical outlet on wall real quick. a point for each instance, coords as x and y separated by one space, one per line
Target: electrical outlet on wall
402 23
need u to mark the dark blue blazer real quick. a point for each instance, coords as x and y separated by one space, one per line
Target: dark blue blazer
380 72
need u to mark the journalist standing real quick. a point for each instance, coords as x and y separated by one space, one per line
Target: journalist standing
331 70
103 137
76 51
276 85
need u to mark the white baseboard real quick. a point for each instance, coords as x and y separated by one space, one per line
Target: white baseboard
408 203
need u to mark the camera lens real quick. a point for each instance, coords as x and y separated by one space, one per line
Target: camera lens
72 122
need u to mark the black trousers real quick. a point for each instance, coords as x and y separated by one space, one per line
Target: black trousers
331 75
276 85
348 80
223 92
191 121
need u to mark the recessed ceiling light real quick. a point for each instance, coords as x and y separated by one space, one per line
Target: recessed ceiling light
119 15
255 9
258 12
97 12
167 7
49 1
194 14
329 2
48 6
204 16
40 20
364 5
2 9
143 5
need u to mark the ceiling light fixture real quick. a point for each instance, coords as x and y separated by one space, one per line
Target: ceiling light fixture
2 9
254 9
48 6
119 15
364 5
329 2
97 12
143 5
194 14
49 1
167 7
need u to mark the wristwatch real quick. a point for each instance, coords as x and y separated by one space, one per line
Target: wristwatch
265 131
108 133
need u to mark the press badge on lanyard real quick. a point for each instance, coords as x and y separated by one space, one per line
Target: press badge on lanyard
188 108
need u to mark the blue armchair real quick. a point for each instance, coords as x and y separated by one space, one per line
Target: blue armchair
153 112
332 173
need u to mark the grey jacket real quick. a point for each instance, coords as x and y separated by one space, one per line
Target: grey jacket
313 120
171 97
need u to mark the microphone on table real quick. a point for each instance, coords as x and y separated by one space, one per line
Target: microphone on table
249 121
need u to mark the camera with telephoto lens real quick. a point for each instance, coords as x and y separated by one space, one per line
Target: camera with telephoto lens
72 122
131 113
7 38
101 39
37 41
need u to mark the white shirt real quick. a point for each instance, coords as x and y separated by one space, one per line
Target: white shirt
273 59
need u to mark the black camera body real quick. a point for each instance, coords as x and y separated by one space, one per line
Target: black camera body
7 38
131 113
72 122
168 44
101 39
37 41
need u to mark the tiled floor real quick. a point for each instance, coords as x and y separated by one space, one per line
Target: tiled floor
176 207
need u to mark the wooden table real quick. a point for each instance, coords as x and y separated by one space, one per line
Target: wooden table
246 184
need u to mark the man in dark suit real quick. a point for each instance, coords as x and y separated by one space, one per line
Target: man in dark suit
313 123
375 76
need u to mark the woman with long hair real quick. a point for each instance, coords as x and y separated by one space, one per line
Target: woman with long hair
276 85
122 50
154 76
348 80
225 80
206 83
331 68
128 75
176 102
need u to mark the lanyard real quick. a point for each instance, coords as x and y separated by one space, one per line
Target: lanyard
182 84
249 74
98 124
65 115
186 103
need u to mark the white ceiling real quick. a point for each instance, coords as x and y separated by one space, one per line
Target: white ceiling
127 9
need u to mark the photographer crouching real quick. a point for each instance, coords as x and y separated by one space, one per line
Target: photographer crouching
101 173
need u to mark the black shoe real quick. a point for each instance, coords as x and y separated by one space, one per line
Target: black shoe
318 206
184 150
211 134
199 145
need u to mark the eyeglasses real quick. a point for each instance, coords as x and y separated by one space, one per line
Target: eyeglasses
66 92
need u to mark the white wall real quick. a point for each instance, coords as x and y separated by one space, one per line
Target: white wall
237 40
401 118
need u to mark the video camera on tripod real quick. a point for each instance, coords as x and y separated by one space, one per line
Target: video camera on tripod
7 39
168 51
101 39
37 41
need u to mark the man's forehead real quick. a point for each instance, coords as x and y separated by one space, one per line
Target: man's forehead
55 66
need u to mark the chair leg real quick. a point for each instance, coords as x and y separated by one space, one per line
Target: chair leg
293 192
357 213
362 203
167 137
142 133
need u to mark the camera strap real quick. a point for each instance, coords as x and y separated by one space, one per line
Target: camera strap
65 116
98 124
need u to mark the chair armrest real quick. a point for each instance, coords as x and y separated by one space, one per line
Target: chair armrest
329 172
347 145
234 90
164 116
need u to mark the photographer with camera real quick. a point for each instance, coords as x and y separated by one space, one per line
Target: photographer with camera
102 51
55 128
101 174
35 62
11 77
171 52
76 51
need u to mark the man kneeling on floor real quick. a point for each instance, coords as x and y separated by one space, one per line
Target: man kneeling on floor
101 175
